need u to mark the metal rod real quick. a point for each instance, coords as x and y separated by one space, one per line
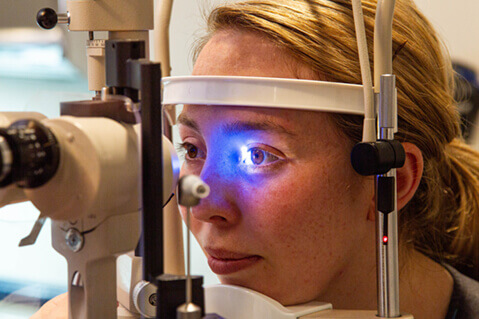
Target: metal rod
383 40
188 258
386 226
63 18
387 254
388 282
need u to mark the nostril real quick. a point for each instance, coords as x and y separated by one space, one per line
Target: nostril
217 218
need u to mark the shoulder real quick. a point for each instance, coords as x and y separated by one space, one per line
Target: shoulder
57 308
464 302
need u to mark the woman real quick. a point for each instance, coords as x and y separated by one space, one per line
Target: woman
297 223
291 218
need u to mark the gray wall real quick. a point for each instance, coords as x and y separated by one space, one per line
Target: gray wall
22 13
458 24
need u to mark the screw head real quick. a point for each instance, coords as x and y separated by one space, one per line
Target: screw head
152 300
74 239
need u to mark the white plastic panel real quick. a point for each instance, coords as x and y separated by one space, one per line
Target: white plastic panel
235 302
264 92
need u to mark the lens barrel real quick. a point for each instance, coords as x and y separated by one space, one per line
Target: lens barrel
29 154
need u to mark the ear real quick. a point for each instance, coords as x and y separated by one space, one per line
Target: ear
409 176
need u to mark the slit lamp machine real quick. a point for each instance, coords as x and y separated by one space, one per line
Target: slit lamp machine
106 173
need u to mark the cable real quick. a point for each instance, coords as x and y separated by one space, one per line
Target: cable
369 129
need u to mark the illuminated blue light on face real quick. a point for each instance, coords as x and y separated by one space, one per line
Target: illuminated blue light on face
246 156
240 156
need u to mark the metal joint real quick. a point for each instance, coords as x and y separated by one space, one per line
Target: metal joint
64 18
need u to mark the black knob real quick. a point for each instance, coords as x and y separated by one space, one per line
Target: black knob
377 157
47 18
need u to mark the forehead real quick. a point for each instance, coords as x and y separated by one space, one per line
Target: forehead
227 114
245 53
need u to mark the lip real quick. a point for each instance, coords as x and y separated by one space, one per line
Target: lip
224 262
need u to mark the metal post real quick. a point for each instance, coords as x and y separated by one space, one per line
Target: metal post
386 220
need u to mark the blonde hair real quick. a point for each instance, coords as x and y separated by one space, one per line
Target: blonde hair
442 220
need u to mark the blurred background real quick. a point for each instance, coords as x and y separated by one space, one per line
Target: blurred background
39 69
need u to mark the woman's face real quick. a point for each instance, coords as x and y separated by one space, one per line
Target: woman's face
287 215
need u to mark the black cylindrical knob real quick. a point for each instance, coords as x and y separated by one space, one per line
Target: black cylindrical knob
377 158
47 18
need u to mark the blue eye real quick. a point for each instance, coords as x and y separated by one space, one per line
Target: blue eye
256 156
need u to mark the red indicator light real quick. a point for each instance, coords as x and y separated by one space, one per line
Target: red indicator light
385 239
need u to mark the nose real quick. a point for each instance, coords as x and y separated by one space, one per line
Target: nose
221 206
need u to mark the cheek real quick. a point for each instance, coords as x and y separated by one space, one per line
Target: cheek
190 169
279 211
313 207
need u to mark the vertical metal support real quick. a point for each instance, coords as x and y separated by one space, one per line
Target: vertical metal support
189 286
386 219
146 77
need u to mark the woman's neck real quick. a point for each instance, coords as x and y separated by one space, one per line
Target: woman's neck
425 286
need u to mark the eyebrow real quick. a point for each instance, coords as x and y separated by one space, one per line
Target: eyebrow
240 126
185 120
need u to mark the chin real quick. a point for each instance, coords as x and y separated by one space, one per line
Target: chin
283 295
